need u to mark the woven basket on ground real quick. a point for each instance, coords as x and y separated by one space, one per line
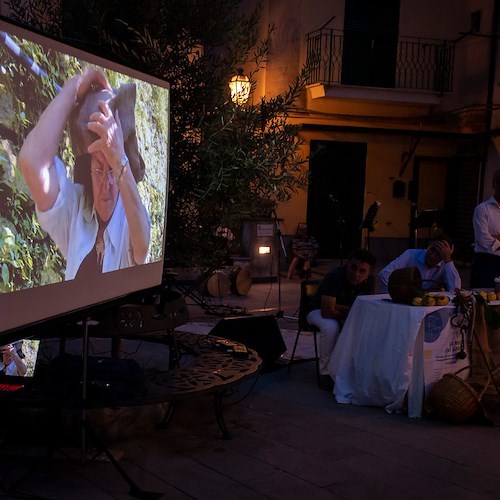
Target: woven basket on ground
454 399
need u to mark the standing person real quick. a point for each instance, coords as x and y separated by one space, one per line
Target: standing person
97 220
486 222
305 248
332 302
435 264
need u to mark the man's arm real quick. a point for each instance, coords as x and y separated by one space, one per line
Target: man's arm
37 154
330 308
451 277
399 263
110 142
482 233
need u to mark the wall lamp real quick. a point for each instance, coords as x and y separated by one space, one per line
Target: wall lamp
240 88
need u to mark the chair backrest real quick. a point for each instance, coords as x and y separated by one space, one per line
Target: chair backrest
307 290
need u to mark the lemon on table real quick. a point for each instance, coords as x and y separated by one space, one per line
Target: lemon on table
416 301
441 300
428 300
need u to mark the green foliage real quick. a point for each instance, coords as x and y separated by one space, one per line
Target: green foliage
227 163
27 255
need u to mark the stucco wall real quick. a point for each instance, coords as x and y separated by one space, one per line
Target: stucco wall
383 165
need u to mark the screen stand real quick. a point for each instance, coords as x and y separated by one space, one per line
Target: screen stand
85 431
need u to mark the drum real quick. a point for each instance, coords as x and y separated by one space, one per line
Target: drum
241 280
404 284
218 284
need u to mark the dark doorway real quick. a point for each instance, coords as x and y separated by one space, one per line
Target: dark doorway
463 184
336 196
370 43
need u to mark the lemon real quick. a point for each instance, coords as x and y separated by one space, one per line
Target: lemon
442 300
428 300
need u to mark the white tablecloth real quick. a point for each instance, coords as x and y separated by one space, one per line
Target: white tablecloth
386 351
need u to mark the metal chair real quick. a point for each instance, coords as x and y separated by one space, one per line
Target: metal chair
307 290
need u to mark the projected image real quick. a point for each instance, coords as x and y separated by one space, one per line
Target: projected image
18 359
83 167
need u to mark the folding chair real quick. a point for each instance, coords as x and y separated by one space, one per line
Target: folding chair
307 290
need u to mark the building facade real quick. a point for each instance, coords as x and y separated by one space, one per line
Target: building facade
401 108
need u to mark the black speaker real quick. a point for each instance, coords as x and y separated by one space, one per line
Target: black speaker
260 333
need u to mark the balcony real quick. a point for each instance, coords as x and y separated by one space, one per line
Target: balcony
380 61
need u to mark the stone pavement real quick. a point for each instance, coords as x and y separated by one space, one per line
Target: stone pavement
289 440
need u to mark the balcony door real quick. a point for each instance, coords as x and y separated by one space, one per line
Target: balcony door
370 43
336 196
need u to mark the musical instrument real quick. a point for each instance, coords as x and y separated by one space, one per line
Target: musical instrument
241 280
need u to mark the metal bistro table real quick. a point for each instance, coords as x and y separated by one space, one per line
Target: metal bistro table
389 355
215 370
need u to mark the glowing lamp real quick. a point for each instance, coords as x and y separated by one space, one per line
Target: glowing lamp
264 250
240 88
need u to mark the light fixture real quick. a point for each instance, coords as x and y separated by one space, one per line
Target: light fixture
240 88
263 250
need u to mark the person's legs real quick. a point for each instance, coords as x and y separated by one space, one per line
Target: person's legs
293 265
307 268
329 332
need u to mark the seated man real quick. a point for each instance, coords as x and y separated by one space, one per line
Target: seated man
330 305
434 263
305 247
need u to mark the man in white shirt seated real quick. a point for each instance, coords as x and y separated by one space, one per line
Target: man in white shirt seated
435 264
486 222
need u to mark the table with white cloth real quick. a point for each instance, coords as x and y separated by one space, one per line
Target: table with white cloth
389 354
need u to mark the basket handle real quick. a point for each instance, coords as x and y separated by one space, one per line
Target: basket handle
462 369
490 380
486 385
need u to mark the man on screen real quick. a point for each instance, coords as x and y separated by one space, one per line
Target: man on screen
11 363
98 221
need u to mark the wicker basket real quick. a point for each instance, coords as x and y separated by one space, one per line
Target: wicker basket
454 399
404 284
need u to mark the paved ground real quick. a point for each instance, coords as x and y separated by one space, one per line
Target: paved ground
290 440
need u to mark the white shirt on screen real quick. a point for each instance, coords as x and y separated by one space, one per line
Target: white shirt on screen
73 227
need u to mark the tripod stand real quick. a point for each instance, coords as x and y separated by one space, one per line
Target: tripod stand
54 404
369 221
281 251
220 310
135 491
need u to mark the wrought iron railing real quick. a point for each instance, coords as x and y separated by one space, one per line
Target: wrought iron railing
420 64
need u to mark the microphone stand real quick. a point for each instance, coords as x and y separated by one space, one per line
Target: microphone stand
281 248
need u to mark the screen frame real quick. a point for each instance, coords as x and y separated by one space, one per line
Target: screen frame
103 296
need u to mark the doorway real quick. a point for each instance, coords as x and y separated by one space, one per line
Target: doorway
335 199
